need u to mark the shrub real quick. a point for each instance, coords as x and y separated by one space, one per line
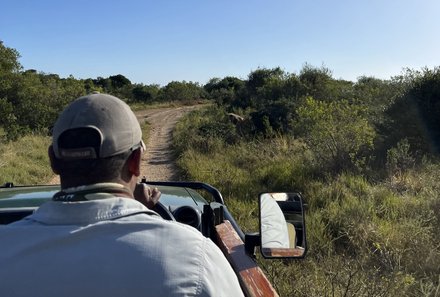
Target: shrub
415 114
400 158
336 132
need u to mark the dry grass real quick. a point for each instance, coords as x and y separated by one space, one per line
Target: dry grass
365 238
25 161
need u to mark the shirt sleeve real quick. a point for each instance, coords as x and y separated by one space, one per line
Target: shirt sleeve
274 233
217 276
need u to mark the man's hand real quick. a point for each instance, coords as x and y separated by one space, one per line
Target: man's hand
145 195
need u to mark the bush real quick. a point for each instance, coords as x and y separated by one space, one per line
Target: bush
275 117
400 158
186 92
415 114
337 132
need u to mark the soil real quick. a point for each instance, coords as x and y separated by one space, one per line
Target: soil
158 163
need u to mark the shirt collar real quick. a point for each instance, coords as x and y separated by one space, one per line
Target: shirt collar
92 192
87 212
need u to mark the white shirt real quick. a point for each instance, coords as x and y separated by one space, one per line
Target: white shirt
109 247
274 233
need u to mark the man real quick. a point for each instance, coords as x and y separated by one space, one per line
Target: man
274 228
94 238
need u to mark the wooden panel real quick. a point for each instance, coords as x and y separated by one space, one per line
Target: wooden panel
252 279
280 252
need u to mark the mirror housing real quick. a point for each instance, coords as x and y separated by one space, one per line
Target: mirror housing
282 225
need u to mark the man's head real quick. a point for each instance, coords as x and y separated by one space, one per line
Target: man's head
94 140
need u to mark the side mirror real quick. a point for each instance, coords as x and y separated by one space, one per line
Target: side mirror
282 226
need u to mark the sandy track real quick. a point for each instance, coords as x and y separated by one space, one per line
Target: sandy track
158 161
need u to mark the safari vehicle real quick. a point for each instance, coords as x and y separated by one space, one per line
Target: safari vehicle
202 207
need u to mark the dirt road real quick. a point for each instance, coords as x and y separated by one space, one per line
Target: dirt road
158 163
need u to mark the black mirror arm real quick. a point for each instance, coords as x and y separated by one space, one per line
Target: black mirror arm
251 240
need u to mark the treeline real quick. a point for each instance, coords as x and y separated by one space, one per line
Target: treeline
348 125
30 100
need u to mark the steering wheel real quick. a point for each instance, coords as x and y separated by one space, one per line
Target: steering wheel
163 211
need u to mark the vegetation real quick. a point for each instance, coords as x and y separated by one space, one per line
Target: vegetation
25 161
30 100
364 154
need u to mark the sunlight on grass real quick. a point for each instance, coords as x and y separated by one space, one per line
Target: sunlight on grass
366 238
25 161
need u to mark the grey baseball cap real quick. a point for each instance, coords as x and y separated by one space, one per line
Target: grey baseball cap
110 117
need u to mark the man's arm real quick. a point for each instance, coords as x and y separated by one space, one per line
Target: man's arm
218 277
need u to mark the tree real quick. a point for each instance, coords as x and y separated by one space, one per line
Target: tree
90 86
38 98
119 81
142 93
319 84
181 91
9 60
376 95
9 75
264 85
9 69
415 114
277 116
228 82
223 91
337 132
261 77
103 83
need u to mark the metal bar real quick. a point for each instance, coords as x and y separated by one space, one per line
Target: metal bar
192 185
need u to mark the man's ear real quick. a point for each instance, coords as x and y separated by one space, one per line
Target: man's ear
52 159
134 162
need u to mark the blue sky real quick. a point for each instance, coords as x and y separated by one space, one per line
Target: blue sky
162 41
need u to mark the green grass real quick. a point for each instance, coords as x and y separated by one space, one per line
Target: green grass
142 106
25 161
365 238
